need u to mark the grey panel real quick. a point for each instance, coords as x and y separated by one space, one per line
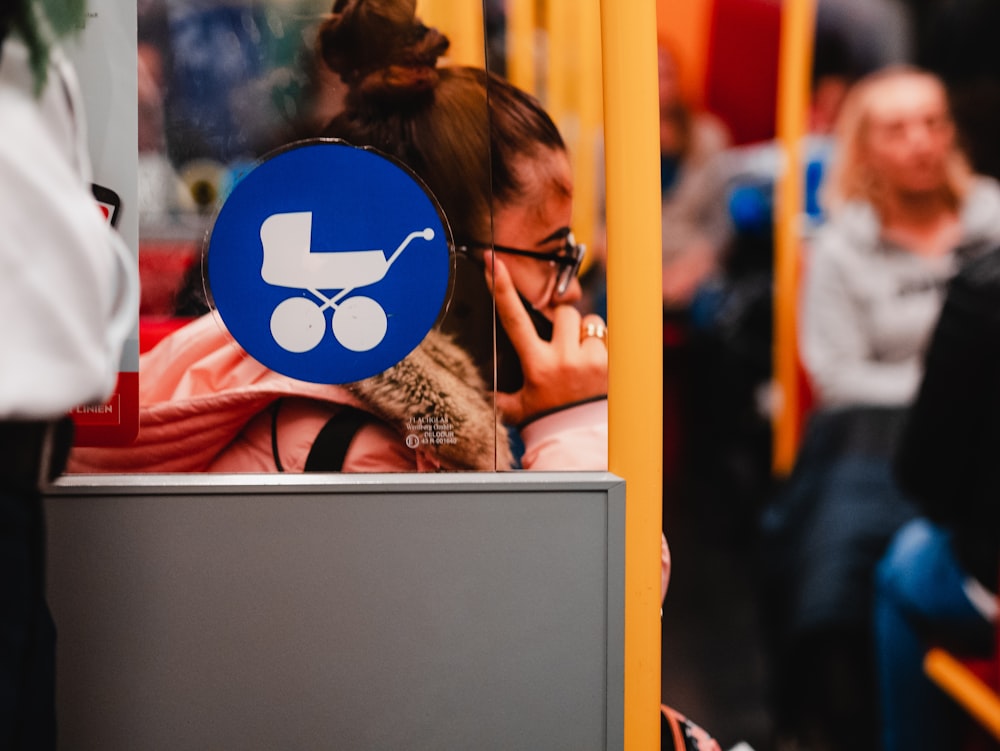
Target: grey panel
383 613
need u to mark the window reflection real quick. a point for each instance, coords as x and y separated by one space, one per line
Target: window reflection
220 84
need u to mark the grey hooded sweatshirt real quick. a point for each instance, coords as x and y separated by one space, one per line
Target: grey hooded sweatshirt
868 306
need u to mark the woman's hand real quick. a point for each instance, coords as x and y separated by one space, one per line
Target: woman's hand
572 367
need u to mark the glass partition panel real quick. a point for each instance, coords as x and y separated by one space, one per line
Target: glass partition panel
290 277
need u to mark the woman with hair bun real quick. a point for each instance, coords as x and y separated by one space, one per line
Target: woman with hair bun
498 167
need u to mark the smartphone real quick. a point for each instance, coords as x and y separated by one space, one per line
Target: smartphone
471 319
109 202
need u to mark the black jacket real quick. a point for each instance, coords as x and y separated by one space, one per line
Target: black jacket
949 455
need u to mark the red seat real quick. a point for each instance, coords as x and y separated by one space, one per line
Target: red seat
742 73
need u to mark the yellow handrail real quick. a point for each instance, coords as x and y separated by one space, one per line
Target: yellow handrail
962 685
626 35
462 22
588 191
572 90
560 20
798 20
631 127
521 24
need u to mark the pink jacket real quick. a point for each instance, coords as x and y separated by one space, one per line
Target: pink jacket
205 407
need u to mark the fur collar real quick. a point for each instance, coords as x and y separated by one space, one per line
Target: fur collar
436 393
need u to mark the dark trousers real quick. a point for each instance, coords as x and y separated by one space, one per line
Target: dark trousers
27 633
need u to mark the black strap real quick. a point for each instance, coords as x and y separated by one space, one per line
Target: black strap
330 447
275 408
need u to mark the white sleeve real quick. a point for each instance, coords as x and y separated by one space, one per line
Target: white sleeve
575 438
70 298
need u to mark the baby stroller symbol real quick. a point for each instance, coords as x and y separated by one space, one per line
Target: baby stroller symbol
299 324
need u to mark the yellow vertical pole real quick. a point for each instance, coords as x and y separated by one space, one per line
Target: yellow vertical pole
521 23
586 199
573 97
631 124
561 38
462 22
798 21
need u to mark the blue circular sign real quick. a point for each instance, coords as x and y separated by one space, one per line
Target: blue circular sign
329 263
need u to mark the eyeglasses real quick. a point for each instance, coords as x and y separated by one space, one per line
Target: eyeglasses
566 259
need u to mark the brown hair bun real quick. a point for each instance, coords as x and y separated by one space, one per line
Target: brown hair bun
381 50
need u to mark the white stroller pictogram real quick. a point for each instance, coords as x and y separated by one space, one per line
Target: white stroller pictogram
299 324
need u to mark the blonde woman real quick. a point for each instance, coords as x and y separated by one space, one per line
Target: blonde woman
905 213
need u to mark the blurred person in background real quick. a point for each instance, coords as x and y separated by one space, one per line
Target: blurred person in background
937 584
905 214
718 332
957 40
160 187
689 139
69 302
725 194
879 33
